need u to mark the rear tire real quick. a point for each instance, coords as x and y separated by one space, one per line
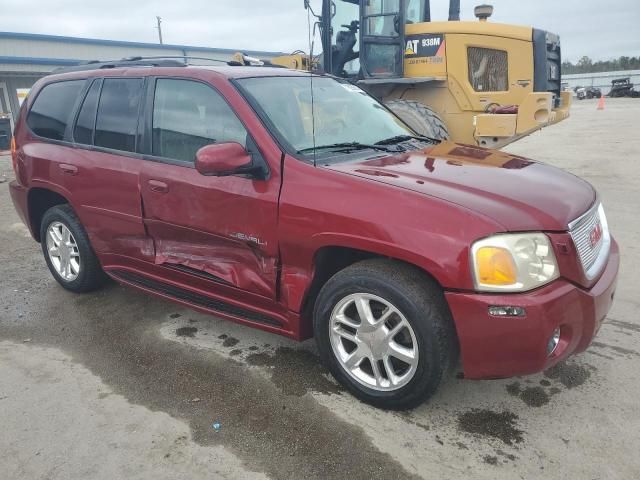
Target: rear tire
422 119
410 364
67 251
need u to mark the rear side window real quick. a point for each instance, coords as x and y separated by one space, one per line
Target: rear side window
117 121
52 109
83 131
188 115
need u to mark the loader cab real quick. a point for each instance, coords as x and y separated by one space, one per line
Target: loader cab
366 38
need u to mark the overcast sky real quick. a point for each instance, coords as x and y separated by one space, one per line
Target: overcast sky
601 30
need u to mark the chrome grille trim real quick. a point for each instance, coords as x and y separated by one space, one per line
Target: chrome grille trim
591 257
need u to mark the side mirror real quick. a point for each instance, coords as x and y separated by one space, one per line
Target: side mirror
306 4
223 159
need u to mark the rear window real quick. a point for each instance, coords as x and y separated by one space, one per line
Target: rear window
83 131
117 121
51 111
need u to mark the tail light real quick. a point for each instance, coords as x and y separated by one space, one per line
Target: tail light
14 155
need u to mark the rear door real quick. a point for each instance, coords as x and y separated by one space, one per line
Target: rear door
224 228
105 167
382 40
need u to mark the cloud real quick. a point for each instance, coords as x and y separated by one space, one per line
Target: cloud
586 28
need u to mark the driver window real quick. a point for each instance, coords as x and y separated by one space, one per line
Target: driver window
188 115
382 23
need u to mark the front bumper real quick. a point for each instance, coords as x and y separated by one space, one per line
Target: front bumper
498 347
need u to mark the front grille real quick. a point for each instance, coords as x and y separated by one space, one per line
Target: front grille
590 234
488 69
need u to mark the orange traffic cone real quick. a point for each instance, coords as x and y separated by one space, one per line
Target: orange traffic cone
601 103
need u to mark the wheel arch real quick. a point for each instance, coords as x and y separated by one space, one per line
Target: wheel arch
39 200
330 259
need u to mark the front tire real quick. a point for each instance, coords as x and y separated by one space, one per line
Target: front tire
385 332
422 119
67 251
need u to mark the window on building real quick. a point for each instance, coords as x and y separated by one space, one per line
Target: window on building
188 115
52 109
117 120
83 131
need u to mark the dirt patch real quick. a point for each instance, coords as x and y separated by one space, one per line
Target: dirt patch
186 332
490 424
490 459
571 375
532 396
230 342
634 327
296 371
614 348
235 352
175 315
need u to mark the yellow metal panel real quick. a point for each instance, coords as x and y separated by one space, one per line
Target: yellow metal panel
515 32
492 125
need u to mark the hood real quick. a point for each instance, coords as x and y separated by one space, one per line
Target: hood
517 193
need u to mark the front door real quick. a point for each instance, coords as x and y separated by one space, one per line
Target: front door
382 45
221 227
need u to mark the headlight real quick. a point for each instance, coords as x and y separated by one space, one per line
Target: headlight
514 262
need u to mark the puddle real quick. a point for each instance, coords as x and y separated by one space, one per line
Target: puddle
295 371
230 342
490 424
570 375
186 332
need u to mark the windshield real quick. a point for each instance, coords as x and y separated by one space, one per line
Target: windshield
343 112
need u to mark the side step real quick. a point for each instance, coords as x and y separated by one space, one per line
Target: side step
193 298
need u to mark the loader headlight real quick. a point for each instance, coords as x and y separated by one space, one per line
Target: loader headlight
513 262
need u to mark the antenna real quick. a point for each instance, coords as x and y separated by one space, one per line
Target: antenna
159 27
313 116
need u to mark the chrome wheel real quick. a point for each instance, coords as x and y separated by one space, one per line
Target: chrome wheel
373 342
63 251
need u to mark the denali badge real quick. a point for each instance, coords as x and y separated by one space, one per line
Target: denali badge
248 238
595 235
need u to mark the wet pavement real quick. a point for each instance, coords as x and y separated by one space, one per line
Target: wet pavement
119 384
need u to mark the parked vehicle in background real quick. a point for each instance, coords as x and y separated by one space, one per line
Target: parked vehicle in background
622 87
227 190
588 93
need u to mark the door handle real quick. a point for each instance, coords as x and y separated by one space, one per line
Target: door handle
158 186
68 169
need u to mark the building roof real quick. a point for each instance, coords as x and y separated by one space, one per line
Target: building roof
122 43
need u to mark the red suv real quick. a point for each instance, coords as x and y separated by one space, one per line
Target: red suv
301 206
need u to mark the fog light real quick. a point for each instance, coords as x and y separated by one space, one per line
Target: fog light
506 311
553 341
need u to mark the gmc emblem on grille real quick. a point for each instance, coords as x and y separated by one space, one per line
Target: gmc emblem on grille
595 235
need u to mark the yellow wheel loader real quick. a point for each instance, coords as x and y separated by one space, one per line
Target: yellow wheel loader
476 82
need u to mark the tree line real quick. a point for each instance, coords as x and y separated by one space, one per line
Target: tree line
586 65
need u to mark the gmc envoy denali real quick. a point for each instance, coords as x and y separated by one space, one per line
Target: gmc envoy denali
301 206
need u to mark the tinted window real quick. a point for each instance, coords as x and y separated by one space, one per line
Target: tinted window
117 120
52 108
189 115
83 132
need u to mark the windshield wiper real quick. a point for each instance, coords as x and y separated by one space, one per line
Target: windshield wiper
346 146
404 138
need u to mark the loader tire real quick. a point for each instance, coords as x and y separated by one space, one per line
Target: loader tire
420 118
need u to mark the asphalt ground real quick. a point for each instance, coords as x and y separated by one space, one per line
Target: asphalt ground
118 384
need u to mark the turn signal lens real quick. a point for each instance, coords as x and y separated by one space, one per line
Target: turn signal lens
495 266
513 262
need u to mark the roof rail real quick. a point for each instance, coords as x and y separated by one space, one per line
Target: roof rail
159 61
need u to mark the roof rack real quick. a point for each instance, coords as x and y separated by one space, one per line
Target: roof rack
158 61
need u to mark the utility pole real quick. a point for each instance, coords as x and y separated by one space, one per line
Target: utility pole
159 27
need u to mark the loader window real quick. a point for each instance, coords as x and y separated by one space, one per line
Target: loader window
488 69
